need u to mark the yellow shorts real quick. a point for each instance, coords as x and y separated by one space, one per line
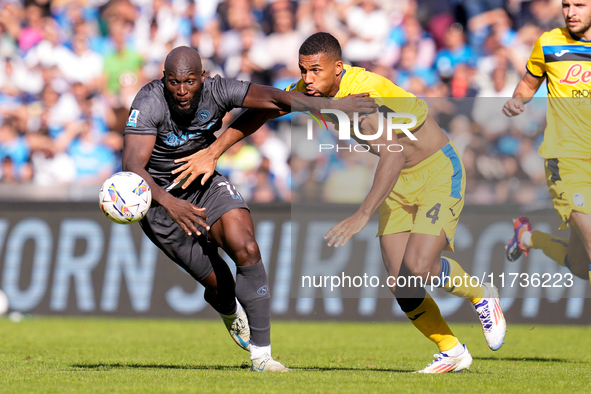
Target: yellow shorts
569 181
427 197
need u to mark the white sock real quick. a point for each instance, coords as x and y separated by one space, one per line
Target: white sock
526 239
453 352
257 351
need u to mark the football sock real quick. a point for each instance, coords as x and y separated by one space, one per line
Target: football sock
553 247
526 239
258 351
455 351
252 290
454 280
424 313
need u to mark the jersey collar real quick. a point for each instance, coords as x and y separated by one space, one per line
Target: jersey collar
577 38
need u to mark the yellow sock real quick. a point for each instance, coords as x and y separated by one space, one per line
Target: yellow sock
456 281
428 320
553 247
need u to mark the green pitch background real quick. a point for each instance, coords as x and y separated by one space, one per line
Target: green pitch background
96 355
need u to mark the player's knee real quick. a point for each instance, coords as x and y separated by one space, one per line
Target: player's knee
580 271
420 264
248 252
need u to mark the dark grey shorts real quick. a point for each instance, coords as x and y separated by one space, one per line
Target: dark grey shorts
192 253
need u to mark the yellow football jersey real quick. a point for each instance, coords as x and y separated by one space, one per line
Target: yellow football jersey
358 80
565 61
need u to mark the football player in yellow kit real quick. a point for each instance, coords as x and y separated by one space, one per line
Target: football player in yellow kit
563 58
419 193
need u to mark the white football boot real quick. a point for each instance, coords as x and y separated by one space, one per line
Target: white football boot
237 326
444 363
265 363
491 317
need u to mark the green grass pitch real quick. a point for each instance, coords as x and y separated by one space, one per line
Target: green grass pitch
102 355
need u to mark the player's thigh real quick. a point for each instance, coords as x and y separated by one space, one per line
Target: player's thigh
438 217
192 253
422 256
442 199
570 187
234 232
392 247
579 246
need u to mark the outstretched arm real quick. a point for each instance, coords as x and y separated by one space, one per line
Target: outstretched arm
270 98
136 154
204 161
525 90
389 166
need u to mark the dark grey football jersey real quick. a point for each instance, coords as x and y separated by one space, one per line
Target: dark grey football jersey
150 114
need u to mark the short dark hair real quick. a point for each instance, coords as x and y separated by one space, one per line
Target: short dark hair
322 43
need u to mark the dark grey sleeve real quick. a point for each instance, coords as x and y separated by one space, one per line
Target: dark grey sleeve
229 93
145 115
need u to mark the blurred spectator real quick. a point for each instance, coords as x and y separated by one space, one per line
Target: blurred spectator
409 33
368 28
545 14
122 68
321 15
409 67
14 153
274 150
93 161
285 41
239 164
32 32
265 189
455 52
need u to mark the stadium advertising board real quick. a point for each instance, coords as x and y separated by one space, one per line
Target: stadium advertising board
68 259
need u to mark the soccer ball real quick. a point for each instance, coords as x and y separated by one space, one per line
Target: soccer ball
125 197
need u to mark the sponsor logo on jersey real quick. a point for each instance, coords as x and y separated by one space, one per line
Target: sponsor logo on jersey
559 54
203 115
132 121
575 74
579 200
584 93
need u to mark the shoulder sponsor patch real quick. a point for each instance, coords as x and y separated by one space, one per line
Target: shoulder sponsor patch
579 200
132 121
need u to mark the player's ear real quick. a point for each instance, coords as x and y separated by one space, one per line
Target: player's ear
338 67
202 76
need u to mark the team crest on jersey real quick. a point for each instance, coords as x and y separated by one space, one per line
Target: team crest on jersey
203 115
132 121
579 200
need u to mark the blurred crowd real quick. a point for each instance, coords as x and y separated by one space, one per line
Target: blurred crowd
69 70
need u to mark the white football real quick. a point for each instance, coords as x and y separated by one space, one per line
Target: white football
125 197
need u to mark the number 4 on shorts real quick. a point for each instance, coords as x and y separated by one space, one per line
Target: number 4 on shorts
433 213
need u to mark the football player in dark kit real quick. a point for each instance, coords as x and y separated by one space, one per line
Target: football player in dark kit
177 116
